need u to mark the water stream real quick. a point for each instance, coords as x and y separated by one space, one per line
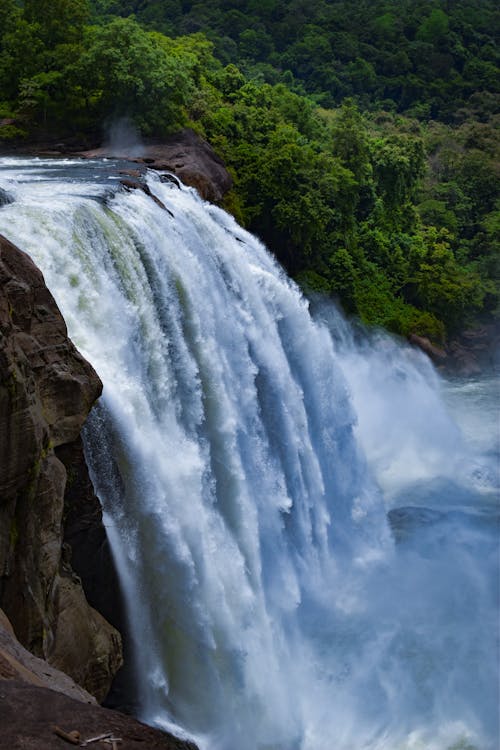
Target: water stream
307 538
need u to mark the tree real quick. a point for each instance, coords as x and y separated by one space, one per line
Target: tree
434 28
398 164
443 286
59 21
129 73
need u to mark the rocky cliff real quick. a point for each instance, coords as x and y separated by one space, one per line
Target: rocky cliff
46 392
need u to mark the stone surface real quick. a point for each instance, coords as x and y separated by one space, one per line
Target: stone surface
475 351
471 352
437 354
46 392
29 714
92 560
184 154
16 663
35 698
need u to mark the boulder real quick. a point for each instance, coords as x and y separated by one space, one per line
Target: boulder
16 663
41 706
437 354
184 154
475 351
5 197
36 718
46 391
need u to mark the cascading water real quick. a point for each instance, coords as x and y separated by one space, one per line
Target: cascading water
273 602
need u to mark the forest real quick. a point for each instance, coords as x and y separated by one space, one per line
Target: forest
362 136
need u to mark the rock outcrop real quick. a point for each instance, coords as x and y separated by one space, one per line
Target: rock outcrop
472 352
38 703
475 351
16 663
30 714
435 353
46 392
184 154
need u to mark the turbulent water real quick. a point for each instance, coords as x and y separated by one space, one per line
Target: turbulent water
307 540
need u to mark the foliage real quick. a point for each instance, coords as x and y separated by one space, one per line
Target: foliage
427 56
362 137
130 72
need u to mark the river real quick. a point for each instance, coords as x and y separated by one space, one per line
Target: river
305 519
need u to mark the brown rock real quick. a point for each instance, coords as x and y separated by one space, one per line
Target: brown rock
39 705
46 391
423 343
188 156
16 663
29 716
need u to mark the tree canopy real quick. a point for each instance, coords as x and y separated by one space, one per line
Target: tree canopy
362 136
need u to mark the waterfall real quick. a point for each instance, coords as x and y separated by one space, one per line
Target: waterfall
293 579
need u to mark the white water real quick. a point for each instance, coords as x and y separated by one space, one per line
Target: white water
272 607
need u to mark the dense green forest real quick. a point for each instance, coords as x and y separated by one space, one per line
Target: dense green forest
362 135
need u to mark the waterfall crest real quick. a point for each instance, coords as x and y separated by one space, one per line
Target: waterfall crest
263 584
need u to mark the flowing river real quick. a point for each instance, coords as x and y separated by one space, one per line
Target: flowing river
305 521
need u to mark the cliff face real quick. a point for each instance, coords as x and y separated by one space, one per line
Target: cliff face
46 392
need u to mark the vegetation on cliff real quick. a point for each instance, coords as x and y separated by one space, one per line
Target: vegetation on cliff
362 136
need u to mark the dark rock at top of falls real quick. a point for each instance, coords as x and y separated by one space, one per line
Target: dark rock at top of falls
184 154
46 391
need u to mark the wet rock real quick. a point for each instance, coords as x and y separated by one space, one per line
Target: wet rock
187 156
138 185
475 351
434 352
5 198
31 716
46 392
16 663
171 179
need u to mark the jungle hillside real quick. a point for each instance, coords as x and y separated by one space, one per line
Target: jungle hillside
362 135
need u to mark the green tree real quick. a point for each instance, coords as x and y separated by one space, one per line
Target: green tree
398 163
444 287
434 27
128 72
58 21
